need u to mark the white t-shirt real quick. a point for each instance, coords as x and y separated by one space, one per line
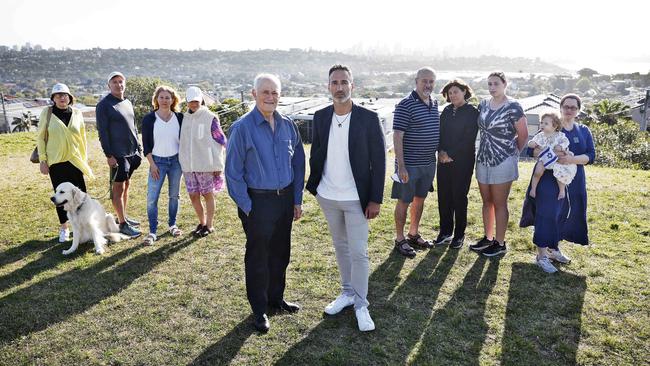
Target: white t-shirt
337 183
166 137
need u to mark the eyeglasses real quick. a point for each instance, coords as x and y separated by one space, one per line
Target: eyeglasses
570 108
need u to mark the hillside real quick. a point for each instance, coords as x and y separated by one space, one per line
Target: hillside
88 68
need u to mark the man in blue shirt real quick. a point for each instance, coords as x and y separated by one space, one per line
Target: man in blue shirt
119 140
416 131
265 173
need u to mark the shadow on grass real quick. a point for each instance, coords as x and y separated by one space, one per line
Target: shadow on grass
401 315
23 250
456 333
222 352
50 257
542 325
53 300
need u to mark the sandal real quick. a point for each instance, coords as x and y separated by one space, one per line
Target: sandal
175 231
414 241
404 248
149 239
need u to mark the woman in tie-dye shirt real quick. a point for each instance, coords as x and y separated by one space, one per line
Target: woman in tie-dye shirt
504 132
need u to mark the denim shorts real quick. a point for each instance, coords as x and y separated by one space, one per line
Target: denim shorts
507 171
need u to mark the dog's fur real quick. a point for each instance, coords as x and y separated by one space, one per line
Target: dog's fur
88 218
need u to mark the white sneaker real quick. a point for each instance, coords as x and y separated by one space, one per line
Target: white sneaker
557 256
64 235
545 264
339 304
364 320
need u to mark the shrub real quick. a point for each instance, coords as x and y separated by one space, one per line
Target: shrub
621 145
139 91
229 111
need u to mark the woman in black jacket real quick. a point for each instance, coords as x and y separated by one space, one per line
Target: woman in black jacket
458 129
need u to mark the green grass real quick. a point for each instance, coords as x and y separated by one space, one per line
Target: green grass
182 301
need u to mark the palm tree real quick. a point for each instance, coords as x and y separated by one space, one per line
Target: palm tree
24 122
607 111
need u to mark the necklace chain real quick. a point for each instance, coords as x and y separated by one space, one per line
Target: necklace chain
339 122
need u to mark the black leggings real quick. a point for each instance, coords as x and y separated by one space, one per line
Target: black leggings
66 172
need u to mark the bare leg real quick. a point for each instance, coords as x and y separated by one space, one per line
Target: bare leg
400 219
487 210
125 197
118 204
209 206
537 175
499 194
198 207
416 214
561 186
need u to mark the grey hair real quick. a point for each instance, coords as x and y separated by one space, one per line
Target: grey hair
263 77
424 70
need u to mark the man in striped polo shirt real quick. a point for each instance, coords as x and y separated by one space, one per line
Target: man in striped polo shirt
416 129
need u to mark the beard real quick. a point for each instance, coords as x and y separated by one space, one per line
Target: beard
342 98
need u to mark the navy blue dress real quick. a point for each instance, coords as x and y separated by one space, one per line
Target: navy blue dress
564 219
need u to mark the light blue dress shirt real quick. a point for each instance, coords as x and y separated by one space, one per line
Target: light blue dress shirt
260 158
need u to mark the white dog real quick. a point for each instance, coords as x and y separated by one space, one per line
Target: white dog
88 218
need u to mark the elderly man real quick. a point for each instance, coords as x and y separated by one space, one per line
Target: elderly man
265 173
416 128
119 140
348 165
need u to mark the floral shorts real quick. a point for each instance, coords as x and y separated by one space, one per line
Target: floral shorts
203 182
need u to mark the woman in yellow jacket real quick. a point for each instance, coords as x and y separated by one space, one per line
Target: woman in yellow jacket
62 148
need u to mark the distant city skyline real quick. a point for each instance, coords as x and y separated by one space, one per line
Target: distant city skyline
570 34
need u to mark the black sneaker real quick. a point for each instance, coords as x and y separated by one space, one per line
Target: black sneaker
128 230
205 231
495 249
481 244
457 243
198 230
443 239
132 222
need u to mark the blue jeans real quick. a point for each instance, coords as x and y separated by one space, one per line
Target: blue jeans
171 168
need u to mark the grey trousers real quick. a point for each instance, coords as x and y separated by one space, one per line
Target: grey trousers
349 229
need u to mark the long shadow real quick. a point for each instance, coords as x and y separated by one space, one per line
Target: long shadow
23 250
223 351
53 300
457 332
50 258
400 315
542 325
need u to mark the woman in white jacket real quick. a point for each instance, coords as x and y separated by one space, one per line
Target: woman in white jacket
201 155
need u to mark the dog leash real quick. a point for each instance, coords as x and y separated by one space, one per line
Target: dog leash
109 194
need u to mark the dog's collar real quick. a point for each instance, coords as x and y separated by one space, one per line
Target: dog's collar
81 204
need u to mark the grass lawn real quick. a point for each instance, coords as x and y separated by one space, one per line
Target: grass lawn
183 301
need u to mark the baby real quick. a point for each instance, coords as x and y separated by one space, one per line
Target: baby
551 141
